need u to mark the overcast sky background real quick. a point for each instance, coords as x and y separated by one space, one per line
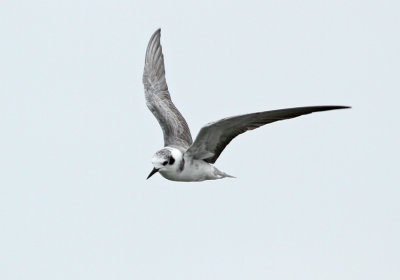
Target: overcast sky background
315 197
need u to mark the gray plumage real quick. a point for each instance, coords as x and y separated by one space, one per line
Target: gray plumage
175 129
193 161
214 137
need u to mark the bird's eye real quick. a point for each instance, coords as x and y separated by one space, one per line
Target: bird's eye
165 163
171 160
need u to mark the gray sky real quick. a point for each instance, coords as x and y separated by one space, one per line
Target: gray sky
316 197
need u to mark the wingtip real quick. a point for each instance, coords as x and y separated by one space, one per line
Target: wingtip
340 106
335 107
153 43
156 34
158 31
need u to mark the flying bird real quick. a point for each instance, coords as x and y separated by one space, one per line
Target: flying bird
181 159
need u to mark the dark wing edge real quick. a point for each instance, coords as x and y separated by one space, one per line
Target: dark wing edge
175 128
214 137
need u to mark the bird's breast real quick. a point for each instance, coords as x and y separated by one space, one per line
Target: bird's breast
193 171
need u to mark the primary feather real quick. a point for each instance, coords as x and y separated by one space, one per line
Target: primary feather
214 137
175 129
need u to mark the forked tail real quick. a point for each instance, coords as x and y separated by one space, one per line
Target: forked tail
221 174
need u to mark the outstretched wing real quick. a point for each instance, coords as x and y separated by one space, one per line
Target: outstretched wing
158 100
214 137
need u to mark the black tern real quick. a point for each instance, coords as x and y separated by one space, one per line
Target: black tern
181 159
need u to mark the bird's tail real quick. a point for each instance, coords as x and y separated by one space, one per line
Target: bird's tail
221 174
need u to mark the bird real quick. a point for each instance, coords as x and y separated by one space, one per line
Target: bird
181 158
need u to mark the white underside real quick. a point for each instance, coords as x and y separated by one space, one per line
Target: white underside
195 171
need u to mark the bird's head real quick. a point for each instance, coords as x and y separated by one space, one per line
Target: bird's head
164 160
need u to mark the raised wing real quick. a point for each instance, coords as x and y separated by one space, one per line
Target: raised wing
214 137
158 100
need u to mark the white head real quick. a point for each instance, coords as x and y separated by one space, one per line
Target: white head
166 159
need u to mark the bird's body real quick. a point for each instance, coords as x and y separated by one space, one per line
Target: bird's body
185 169
181 159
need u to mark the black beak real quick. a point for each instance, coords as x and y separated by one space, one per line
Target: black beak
155 170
